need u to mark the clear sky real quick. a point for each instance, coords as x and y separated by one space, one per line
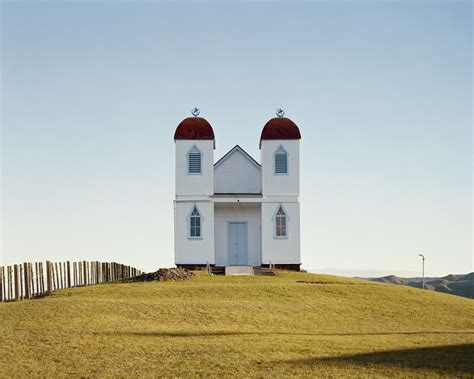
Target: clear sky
92 92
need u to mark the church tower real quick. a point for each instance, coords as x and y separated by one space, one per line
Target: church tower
280 159
194 186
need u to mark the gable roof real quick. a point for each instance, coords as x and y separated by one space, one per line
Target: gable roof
232 151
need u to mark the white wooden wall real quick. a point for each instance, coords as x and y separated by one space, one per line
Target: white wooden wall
236 174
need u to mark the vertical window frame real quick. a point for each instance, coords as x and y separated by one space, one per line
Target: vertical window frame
199 218
277 222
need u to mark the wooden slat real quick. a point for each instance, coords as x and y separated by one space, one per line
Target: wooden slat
25 280
68 266
48 277
84 273
1 284
32 289
16 279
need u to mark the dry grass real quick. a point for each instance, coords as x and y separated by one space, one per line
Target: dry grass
245 326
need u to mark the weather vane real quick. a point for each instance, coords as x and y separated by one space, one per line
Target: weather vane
280 112
195 111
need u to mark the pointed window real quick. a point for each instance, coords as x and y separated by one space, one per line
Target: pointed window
194 161
281 161
280 223
195 224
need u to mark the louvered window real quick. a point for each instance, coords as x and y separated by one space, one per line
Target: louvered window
194 161
195 224
281 161
280 223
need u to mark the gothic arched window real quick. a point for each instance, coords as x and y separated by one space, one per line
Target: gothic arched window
195 224
280 223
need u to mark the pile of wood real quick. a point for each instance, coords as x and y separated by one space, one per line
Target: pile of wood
163 274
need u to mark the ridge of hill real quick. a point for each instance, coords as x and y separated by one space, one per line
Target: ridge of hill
291 324
459 284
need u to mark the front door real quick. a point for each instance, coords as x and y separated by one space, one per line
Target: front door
237 243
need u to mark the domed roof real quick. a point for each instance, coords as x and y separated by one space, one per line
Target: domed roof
194 128
280 128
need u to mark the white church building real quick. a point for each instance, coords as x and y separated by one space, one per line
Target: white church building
237 211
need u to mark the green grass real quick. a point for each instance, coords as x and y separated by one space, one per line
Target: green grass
245 326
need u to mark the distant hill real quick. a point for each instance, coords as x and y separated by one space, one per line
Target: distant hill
460 285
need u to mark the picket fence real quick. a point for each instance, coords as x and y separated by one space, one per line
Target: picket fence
29 280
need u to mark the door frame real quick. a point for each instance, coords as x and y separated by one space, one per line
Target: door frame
246 242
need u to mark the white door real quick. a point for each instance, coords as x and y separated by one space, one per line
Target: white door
237 243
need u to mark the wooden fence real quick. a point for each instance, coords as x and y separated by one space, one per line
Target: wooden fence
28 280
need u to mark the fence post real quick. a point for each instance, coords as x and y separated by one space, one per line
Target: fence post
41 283
16 280
53 276
54 266
48 278
38 291
61 281
31 279
74 273
84 277
68 269
25 277
32 287
64 275
1 284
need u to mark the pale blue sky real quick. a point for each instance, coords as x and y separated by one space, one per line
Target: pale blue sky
382 92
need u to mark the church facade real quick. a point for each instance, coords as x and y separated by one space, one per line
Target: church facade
237 211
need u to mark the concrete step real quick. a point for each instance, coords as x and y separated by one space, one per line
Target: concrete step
239 270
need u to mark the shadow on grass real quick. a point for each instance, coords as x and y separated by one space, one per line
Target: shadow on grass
443 359
261 333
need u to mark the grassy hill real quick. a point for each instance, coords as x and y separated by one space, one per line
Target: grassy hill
291 324
460 285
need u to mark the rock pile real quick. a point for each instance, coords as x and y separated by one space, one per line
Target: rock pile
163 274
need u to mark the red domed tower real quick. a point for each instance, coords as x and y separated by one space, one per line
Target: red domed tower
194 128
194 172
195 143
280 128
280 160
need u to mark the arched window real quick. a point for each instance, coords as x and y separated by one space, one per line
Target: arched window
280 223
195 224
281 161
194 161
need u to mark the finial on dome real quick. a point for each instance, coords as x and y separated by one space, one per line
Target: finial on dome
195 112
280 112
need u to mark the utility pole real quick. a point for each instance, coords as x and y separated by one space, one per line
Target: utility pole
423 270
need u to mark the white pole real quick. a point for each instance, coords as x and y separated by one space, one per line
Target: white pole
423 270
